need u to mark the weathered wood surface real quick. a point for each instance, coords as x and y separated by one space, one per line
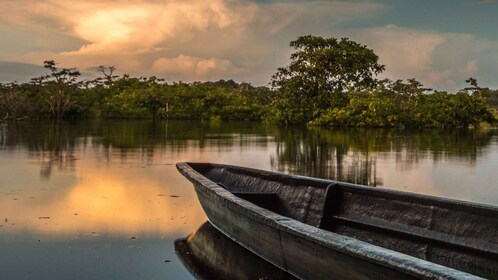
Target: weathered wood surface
209 254
291 240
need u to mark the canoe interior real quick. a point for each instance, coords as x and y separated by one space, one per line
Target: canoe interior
456 234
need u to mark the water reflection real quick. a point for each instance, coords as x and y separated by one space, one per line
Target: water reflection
326 154
124 202
55 146
209 254
83 189
352 154
114 175
373 157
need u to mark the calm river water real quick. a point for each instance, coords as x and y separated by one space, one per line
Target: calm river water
103 199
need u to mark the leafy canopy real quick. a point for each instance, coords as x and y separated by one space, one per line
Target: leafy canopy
320 72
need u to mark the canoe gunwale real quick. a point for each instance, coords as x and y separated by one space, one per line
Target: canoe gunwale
333 241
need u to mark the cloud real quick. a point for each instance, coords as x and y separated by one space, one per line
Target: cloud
186 66
142 37
137 26
128 26
239 39
439 60
13 71
405 51
199 40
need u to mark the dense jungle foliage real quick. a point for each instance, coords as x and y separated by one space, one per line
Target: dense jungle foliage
58 95
329 82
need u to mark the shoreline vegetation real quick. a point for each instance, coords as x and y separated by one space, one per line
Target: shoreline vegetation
329 82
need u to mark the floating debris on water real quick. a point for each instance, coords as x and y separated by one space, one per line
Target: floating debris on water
6 220
133 237
166 261
174 196
43 218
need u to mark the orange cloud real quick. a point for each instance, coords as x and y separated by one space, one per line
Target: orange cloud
138 37
185 65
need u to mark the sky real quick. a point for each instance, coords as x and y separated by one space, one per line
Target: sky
440 42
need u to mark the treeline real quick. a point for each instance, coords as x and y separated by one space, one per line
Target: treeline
329 82
399 104
59 95
332 82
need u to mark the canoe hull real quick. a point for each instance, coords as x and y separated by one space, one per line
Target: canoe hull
302 250
304 259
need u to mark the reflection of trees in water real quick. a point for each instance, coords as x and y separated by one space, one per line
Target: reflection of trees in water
351 154
342 154
409 147
144 139
3 134
137 141
59 152
52 145
324 154
441 145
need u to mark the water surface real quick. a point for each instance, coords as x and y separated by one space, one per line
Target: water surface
102 199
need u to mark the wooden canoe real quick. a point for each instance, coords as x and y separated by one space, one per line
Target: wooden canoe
323 229
209 254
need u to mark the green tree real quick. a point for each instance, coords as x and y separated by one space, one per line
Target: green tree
58 87
150 96
14 102
321 72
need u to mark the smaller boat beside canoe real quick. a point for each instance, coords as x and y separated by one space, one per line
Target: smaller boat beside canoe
324 229
209 254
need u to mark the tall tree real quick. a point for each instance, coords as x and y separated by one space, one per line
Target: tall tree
321 71
58 87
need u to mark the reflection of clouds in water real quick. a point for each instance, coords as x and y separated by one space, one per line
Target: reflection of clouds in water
112 176
110 201
398 177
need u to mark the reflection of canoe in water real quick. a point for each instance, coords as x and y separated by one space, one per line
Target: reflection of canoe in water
318 229
209 254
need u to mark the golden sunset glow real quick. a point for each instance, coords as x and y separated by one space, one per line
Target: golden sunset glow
108 25
104 202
